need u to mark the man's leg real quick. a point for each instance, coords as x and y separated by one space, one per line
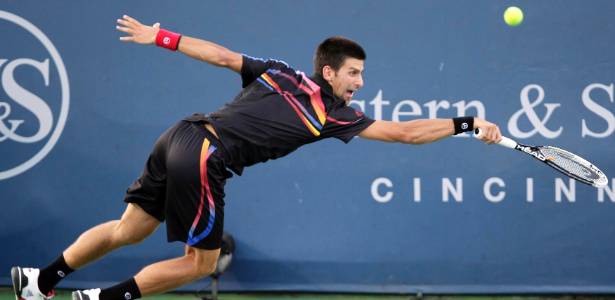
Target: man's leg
170 274
134 226
158 277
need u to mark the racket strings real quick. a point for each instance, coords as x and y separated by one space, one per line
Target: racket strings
568 163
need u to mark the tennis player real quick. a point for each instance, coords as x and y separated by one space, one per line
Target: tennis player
278 110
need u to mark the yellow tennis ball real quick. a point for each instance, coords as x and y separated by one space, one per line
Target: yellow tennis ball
513 16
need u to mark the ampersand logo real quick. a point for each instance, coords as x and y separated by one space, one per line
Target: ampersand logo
527 109
34 96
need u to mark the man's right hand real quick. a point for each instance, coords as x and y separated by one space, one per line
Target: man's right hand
491 133
138 33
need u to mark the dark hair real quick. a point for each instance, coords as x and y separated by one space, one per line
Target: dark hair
334 50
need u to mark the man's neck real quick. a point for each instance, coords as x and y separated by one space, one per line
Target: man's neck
324 85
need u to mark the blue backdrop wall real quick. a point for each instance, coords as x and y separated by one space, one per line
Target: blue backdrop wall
80 110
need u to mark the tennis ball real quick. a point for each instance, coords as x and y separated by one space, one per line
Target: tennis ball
513 16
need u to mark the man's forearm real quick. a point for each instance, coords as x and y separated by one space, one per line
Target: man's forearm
423 131
210 52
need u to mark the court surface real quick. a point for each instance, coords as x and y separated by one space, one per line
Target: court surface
7 294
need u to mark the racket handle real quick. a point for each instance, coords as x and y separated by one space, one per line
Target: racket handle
505 142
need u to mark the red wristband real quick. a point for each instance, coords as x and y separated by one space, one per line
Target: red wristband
167 39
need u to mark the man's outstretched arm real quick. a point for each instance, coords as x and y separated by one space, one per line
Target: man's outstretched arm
423 131
196 48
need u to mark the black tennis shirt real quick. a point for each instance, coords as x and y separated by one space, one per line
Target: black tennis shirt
278 110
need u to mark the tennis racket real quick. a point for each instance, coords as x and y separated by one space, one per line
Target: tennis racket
565 162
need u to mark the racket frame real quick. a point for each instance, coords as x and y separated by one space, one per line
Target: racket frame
535 152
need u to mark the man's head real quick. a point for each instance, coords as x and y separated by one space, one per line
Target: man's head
340 62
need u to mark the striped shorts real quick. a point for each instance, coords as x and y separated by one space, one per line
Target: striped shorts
183 185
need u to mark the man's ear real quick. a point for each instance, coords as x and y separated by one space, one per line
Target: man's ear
327 72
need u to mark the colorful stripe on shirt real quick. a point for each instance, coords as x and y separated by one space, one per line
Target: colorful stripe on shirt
314 125
311 89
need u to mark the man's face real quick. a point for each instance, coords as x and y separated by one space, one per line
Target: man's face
347 80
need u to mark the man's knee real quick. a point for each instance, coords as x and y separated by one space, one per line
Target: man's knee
205 261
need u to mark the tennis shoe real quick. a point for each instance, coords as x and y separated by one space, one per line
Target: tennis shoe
25 284
91 294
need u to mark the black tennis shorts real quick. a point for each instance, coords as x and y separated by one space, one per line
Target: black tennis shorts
183 184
